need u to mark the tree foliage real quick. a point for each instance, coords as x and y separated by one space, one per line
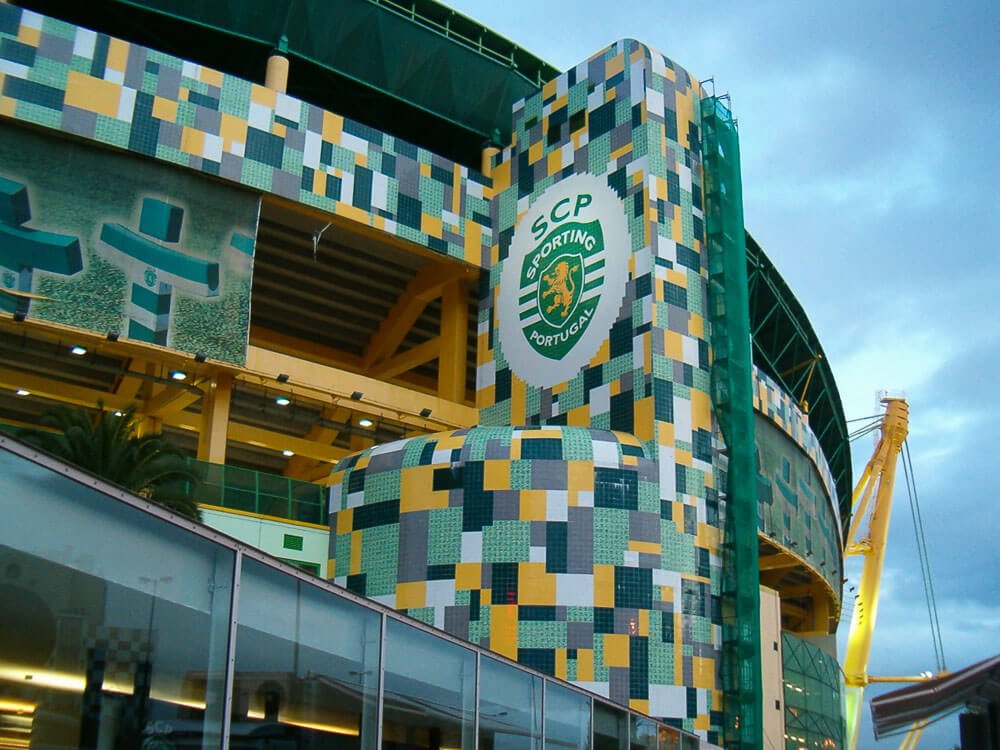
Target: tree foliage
105 443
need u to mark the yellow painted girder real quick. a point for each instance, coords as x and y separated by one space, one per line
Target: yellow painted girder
380 399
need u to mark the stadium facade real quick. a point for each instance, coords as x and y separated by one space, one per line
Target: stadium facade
478 340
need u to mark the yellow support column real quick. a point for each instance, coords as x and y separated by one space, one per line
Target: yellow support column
276 73
454 344
215 419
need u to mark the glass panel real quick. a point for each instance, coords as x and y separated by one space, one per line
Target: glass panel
610 728
670 738
643 734
113 623
429 692
510 707
567 719
306 666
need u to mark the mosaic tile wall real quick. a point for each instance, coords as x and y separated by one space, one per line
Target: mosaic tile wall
545 544
793 506
629 115
778 406
60 76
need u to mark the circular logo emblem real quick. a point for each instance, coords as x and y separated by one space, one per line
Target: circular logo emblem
562 284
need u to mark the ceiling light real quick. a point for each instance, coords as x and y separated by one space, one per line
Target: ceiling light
119 413
112 335
22 392
20 315
282 378
78 350
287 453
425 413
199 357
365 422
179 375
282 401
357 396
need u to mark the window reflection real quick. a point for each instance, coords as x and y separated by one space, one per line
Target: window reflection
567 719
643 734
429 692
100 646
510 707
306 666
610 728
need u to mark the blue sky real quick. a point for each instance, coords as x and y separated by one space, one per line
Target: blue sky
870 159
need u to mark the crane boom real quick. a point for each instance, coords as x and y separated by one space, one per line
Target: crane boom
872 499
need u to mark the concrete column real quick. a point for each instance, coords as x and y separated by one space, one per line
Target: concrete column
276 75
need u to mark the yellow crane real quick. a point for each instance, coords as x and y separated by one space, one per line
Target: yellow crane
872 501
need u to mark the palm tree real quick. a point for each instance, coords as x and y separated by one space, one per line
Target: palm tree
106 444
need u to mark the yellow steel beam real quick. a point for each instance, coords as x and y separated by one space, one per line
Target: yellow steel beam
60 391
454 341
268 339
171 399
302 467
129 385
406 361
380 399
875 486
425 286
780 560
215 419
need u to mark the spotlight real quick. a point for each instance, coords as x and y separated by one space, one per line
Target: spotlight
282 378
178 375
425 413
199 357
20 315
287 453
22 392
365 422
357 396
78 350
112 335
119 413
282 401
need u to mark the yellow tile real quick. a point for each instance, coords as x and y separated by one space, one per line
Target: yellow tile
554 161
701 410
164 109
580 475
614 66
585 665
425 170
615 650
703 672
534 585
29 36
644 420
549 89
534 152
561 672
117 55
674 347
682 457
644 622
92 94
701 723
210 76
637 704
579 417
533 505
473 243
319 182
279 129
361 160
486 397
696 326
263 95
192 141
501 176
496 475
7 105
604 585
468 576
232 128
652 548
356 541
517 400
666 433
411 594
345 521
353 213
430 225
333 127
503 629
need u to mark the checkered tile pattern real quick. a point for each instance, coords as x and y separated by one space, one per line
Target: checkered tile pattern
57 75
